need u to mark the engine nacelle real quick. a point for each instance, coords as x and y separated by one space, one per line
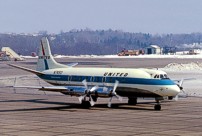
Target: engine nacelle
78 91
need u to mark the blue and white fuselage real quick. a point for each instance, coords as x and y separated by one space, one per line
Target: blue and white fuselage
132 82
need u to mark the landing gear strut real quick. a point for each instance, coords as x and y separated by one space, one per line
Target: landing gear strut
132 101
157 107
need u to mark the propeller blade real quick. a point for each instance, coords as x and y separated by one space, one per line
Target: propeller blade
183 91
81 98
93 88
110 102
85 83
115 86
181 82
176 98
91 101
119 97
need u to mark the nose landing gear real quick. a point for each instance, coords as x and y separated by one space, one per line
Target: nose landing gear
157 107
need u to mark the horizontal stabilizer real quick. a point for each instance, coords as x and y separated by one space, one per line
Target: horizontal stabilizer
26 69
72 64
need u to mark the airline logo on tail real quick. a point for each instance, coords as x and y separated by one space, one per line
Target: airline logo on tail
44 57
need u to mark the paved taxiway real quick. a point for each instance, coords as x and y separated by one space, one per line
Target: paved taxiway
29 112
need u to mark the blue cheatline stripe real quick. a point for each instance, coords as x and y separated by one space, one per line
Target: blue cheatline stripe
99 79
46 64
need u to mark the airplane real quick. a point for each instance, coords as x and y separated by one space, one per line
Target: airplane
88 84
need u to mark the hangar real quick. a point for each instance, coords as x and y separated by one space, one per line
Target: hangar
153 49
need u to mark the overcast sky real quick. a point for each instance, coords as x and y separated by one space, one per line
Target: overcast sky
147 16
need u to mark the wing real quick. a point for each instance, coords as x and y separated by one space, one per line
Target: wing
45 88
69 90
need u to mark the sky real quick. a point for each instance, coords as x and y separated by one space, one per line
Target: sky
146 16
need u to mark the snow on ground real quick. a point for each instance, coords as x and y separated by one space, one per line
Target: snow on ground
191 72
139 56
116 56
179 67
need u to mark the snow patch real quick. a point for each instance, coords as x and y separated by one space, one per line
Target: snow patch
180 67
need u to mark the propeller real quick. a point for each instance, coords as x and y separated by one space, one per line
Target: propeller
88 92
113 93
182 92
180 83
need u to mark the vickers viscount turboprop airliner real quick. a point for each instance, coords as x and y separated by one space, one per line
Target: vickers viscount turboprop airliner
90 83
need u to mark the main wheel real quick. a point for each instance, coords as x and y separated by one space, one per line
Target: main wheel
157 107
170 97
86 104
132 101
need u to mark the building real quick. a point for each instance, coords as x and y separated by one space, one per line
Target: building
194 51
153 49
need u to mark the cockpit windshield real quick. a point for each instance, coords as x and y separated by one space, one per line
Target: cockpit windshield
161 76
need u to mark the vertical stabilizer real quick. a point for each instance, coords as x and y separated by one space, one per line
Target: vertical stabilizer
45 58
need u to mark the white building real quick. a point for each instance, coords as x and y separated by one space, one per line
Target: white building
153 49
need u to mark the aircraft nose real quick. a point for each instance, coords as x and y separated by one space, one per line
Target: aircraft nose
175 90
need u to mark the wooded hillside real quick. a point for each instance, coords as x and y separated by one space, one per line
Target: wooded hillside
100 42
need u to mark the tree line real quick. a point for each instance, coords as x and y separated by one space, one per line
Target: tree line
99 42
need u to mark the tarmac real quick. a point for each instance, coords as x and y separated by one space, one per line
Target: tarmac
30 112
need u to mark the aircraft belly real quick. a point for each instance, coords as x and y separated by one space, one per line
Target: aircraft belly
124 90
135 92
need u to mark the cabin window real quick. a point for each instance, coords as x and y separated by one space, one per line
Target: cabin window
97 79
79 78
91 79
103 79
162 76
110 79
74 78
123 80
166 76
87 78
69 78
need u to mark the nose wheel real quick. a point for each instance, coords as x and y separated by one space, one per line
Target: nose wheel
157 107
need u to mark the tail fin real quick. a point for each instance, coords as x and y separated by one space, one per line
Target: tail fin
45 58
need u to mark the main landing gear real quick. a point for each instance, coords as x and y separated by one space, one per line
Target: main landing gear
88 102
85 104
132 100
